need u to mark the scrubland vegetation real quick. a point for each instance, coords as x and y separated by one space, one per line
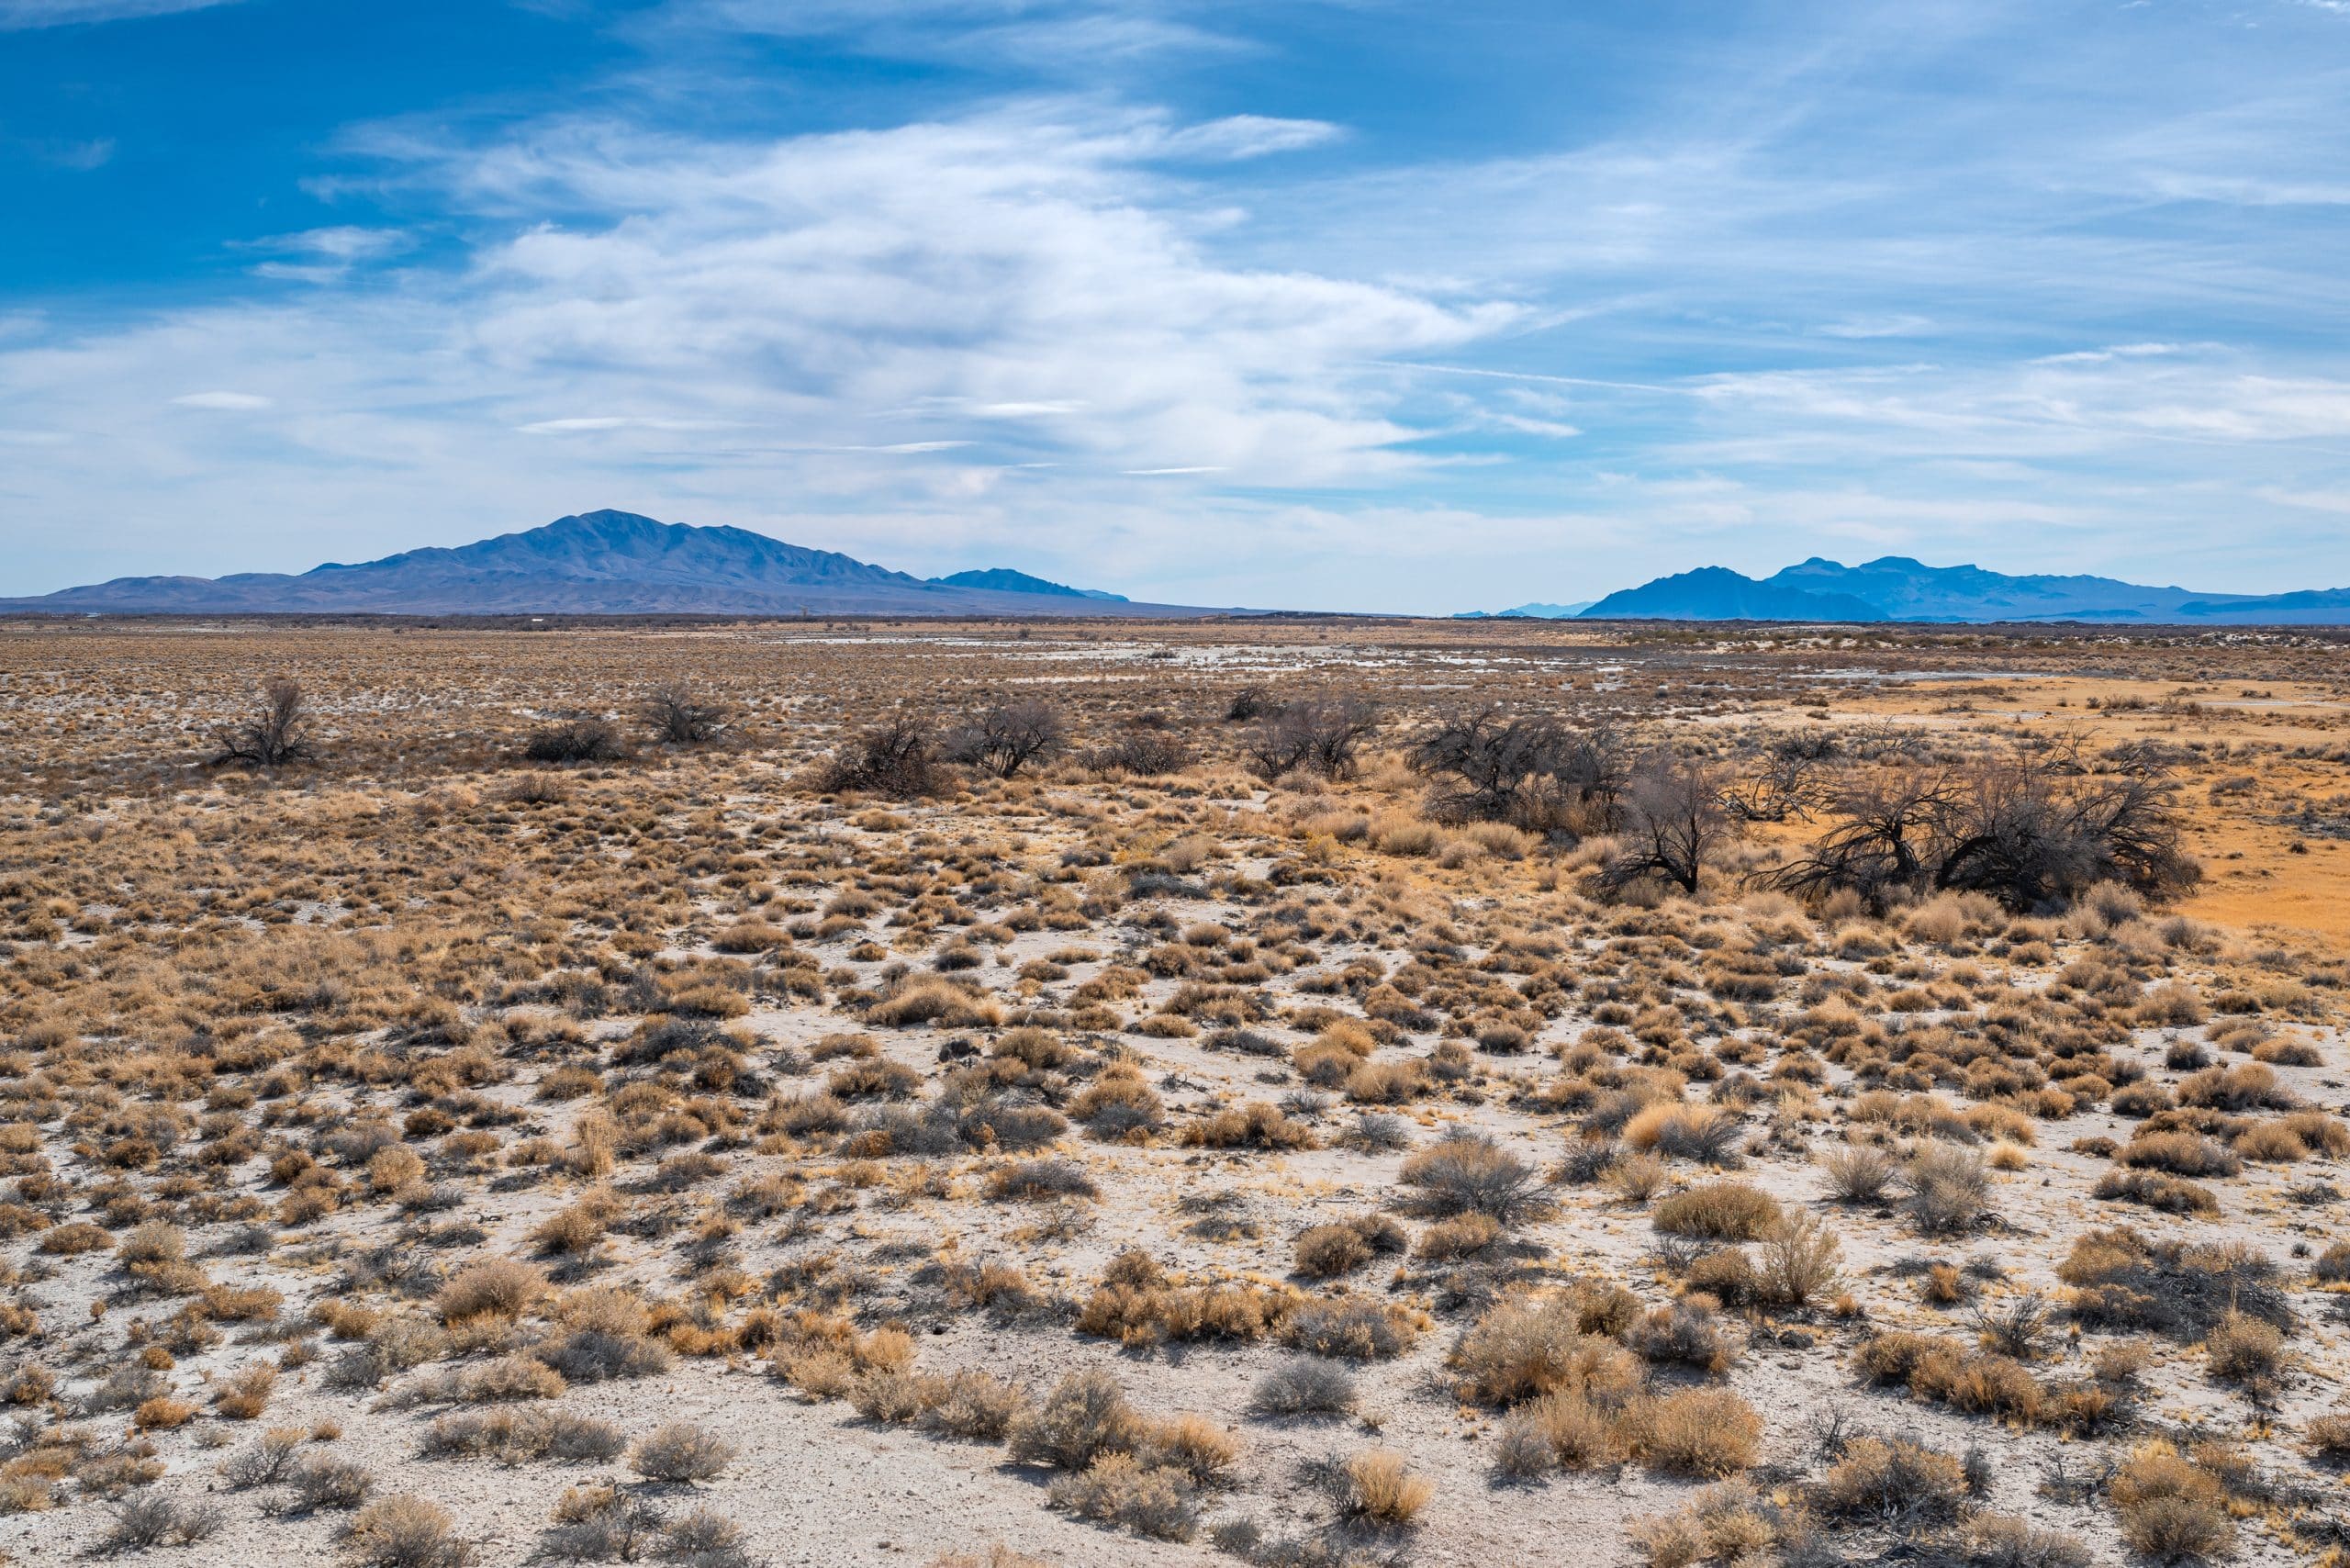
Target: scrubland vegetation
1282 1094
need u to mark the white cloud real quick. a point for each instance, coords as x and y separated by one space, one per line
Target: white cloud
1904 326
342 243
19 15
2336 501
880 324
231 401
1247 136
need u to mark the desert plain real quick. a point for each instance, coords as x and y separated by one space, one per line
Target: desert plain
1285 1091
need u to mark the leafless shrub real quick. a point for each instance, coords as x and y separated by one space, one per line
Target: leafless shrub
274 737
327 1483
2032 830
1857 1174
1948 1189
677 717
1319 734
151 1519
1532 771
575 740
1007 736
1142 754
1466 1172
1085 1416
681 1452
897 758
1673 826
1782 786
408 1532
265 1463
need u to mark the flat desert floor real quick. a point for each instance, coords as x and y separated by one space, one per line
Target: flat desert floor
1289 1092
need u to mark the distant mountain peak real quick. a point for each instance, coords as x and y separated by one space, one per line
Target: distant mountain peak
1717 593
1003 579
604 562
1901 588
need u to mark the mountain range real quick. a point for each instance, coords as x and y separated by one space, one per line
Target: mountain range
600 563
618 563
1895 587
1537 612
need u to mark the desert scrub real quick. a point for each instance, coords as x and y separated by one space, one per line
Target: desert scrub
1324 1252
1718 1211
1470 1174
1352 1328
2170 1510
1881 1480
1703 1432
681 1452
1253 1126
1137 1304
1725 1523
495 1288
407 1532
1530 1346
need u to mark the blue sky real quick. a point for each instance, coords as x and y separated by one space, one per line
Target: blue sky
1332 304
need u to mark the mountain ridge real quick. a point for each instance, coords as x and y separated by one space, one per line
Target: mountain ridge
604 561
1901 588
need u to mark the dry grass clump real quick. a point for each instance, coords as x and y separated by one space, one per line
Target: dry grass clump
1727 1523
408 1532
2123 1280
1719 1211
1117 1466
1382 1488
1709 1133
679 1451
1535 1345
1253 1126
1469 1172
1699 1432
495 1288
513 1436
1880 1479
1978 1382
2170 1510
1138 1305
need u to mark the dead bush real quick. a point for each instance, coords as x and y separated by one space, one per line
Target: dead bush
407 1532
274 737
1894 1482
897 759
1706 1432
679 1451
1469 1172
1084 1417
494 1288
1718 1211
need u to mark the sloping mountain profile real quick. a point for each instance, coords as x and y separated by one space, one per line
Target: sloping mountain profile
1537 612
1003 579
1909 590
1897 588
1717 593
599 563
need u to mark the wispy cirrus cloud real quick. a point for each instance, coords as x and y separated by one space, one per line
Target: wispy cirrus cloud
20 15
